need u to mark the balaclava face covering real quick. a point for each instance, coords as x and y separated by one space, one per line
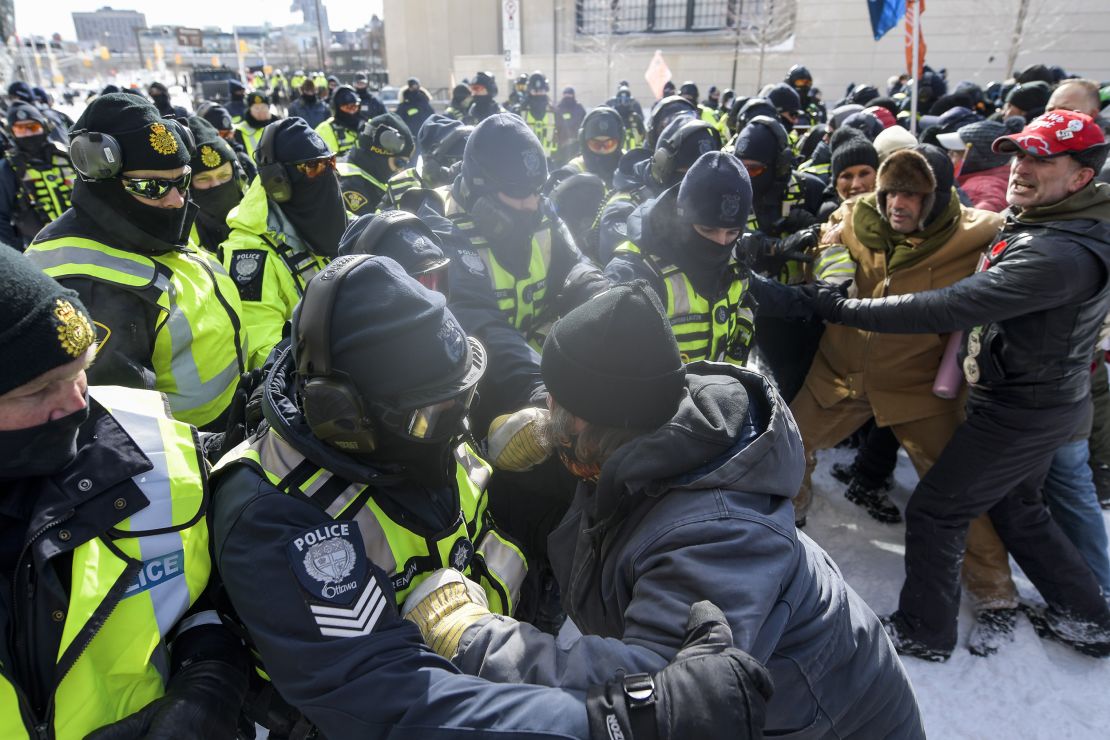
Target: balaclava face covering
316 211
170 225
42 450
215 203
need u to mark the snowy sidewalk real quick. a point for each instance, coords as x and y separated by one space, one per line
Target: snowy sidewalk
1031 689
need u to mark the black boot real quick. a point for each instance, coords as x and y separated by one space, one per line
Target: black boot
992 628
874 501
905 645
1087 637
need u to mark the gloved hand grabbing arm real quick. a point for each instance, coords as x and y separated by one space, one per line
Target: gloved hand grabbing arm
755 247
514 442
710 689
201 700
443 605
828 300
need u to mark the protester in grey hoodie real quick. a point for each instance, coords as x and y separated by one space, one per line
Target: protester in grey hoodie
687 475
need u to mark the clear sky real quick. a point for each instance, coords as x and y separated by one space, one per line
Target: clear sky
44 17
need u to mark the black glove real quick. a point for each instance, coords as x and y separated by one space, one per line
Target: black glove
796 246
827 300
202 700
709 690
796 220
756 248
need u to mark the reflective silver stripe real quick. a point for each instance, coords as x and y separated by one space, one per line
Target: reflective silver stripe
49 258
504 562
314 487
170 598
345 498
276 456
375 540
192 392
680 296
478 474
208 616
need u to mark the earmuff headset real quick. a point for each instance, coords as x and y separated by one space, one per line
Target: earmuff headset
333 408
784 157
98 156
665 157
385 222
436 168
273 174
390 141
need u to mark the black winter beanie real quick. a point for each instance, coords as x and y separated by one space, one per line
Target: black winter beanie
851 150
614 361
212 150
757 143
148 141
295 141
715 192
1030 97
42 324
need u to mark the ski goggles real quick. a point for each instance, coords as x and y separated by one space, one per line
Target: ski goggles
602 145
313 168
21 129
435 278
156 188
755 169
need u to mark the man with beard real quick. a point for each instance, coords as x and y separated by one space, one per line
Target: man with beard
685 475
538 113
285 230
383 149
515 268
358 487
217 187
256 118
36 177
160 96
341 130
168 316
483 99
415 106
237 105
104 543
308 106
569 115
441 143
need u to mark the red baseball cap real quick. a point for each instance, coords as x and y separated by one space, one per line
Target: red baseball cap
885 116
1052 135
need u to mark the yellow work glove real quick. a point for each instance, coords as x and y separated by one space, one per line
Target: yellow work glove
443 605
514 443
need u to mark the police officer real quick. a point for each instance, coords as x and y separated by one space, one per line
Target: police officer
799 78
631 113
460 102
569 115
682 244
369 105
217 186
257 116
441 142
308 105
600 138
284 230
415 105
483 99
168 316
515 268
357 488
160 96
689 91
383 149
218 116
537 112
788 106
36 177
340 131
87 490
519 94
679 146
237 105
44 101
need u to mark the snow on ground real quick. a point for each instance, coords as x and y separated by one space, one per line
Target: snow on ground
1031 689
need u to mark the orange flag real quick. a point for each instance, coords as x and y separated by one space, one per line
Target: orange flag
913 8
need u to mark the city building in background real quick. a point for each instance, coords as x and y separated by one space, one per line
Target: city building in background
114 29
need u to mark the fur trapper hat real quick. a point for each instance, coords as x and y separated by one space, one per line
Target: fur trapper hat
907 171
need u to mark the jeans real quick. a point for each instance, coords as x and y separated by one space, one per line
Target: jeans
1069 491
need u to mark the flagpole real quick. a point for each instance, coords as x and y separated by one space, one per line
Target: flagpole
915 64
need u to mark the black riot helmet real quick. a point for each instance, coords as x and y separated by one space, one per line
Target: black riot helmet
521 83
680 145
486 80
752 108
689 91
665 111
799 76
600 138
537 84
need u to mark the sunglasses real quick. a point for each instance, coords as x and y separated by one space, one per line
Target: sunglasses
602 145
156 188
434 278
349 107
313 168
21 129
433 422
755 169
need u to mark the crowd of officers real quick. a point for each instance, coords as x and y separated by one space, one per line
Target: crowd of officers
501 421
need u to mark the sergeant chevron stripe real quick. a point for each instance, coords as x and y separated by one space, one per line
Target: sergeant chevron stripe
358 620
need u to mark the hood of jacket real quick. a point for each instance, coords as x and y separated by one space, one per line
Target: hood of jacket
256 214
731 431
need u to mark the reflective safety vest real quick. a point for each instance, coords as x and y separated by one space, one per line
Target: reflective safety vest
339 138
543 128
44 193
358 186
578 164
472 545
721 332
793 272
521 300
251 136
401 183
127 590
835 265
821 169
632 137
199 349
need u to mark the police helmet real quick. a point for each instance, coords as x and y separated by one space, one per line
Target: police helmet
680 145
799 77
689 90
665 111
602 121
486 80
537 84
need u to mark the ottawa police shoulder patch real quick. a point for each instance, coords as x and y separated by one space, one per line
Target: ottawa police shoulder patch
471 261
247 268
343 594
